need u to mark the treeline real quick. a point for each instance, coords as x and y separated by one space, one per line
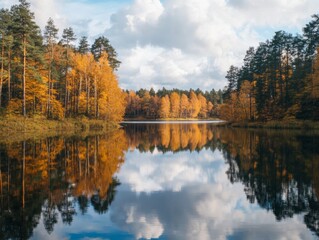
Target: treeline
278 80
42 74
172 103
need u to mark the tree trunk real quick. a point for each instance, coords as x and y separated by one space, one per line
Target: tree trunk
9 75
95 97
66 82
49 84
23 174
87 96
1 185
2 71
24 113
79 95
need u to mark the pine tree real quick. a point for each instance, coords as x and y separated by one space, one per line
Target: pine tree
6 45
28 38
84 46
50 39
232 78
102 44
68 37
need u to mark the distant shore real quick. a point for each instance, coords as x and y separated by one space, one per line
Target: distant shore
283 124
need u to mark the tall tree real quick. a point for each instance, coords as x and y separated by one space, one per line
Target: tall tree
175 105
165 106
50 39
84 46
232 78
68 37
194 104
184 108
27 36
6 44
102 44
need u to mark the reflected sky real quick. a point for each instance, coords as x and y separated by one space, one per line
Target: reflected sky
188 196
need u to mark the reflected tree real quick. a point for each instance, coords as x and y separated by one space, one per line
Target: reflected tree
48 179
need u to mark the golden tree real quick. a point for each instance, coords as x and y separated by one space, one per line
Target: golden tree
175 105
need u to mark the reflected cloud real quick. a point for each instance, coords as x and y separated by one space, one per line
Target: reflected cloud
200 212
170 171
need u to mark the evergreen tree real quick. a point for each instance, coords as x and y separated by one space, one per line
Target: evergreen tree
68 37
84 46
232 78
6 45
27 39
50 39
102 44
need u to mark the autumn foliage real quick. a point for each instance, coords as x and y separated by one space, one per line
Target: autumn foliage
171 105
42 75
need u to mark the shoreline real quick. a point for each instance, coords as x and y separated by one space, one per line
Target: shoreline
292 124
18 128
296 124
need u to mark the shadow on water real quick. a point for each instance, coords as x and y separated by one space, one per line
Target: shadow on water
48 178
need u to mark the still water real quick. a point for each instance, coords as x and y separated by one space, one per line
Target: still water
162 181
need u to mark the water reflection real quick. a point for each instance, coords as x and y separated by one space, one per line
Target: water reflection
178 181
51 176
276 170
169 137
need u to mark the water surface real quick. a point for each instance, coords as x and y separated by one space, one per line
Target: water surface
162 181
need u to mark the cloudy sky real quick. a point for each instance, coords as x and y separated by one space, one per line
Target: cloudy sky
176 43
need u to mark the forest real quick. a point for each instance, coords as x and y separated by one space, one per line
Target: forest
279 80
172 104
43 75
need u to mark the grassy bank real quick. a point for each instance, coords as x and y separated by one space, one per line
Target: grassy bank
17 128
294 124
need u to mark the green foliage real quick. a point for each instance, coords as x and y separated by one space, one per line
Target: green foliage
283 75
102 44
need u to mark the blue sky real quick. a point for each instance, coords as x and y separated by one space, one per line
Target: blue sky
176 43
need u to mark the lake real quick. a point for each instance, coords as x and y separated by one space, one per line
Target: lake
162 181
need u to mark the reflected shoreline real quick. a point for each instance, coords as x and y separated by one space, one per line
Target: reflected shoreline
173 122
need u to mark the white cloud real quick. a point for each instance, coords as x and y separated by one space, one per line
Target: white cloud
176 43
210 35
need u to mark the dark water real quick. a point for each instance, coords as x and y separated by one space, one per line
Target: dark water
162 181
